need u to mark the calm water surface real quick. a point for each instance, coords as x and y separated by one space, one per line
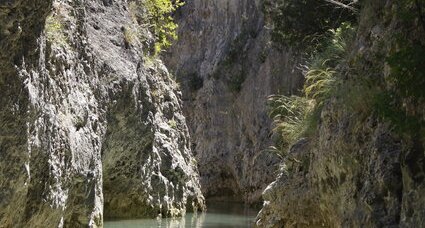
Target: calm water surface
219 215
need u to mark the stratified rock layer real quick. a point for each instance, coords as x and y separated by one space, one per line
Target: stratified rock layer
85 121
227 67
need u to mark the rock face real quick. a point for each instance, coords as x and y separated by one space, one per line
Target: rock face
356 171
85 121
227 67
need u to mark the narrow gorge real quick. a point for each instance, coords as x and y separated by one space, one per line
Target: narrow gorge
227 67
225 113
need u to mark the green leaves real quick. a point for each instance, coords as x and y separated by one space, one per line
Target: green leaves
163 26
397 103
319 83
156 16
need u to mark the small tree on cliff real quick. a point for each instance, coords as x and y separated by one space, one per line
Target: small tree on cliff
156 15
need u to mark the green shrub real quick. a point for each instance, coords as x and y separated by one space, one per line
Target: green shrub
319 82
411 10
163 26
235 81
157 14
55 30
401 102
231 66
236 49
408 70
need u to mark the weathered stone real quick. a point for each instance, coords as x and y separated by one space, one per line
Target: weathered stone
85 120
227 67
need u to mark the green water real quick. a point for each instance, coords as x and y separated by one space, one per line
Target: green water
219 215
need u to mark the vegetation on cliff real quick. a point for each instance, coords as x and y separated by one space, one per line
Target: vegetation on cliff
330 70
322 31
157 15
401 94
297 116
363 163
306 22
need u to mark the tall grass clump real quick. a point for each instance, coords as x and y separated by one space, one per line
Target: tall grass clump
298 116
290 115
321 71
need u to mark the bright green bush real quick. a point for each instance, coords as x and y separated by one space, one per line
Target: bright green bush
157 15
319 82
163 26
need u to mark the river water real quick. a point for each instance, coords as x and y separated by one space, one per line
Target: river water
218 215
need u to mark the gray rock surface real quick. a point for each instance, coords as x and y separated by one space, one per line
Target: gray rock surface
227 66
86 120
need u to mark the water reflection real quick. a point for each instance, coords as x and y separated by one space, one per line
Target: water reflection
219 215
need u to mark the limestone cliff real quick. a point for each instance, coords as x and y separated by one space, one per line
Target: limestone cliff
227 66
359 169
87 119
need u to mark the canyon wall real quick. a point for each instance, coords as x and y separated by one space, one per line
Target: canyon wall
361 169
227 66
87 119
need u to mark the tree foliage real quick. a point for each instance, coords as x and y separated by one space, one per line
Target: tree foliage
163 26
304 22
157 15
